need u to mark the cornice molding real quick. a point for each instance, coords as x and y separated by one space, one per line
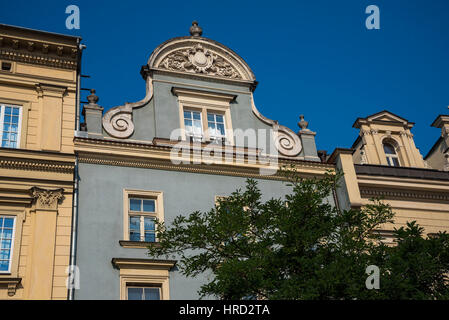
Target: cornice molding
120 153
38 52
36 165
404 194
122 263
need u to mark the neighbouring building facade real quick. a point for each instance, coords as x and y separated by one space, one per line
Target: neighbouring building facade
82 198
38 90
384 162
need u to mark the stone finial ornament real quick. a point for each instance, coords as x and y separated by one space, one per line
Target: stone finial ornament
195 30
92 98
302 123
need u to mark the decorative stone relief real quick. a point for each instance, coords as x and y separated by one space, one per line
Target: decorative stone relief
286 141
199 60
46 199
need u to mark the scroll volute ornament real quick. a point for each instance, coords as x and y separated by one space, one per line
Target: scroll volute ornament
47 199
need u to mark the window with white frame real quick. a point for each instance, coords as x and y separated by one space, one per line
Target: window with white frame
142 219
135 292
216 126
193 124
10 122
7 226
392 156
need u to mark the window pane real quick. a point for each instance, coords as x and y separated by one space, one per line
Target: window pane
7 110
5 244
150 237
149 206
9 222
135 204
219 118
395 162
152 294
15 111
135 294
221 129
7 234
134 223
196 116
210 117
149 224
4 254
187 115
388 148
4 265
134 236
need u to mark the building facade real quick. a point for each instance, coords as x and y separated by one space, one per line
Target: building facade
38 90
196 136
384 162
82 199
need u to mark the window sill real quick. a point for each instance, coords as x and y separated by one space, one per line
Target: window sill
137 244
11 282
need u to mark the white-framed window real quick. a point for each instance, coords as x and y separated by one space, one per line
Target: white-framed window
10 125
7 228
391 155
193 124
142 219
136 292
205 116
216 126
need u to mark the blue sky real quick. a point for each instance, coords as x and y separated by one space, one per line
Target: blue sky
310 57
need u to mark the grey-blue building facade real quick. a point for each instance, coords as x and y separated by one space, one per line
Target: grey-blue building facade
199 94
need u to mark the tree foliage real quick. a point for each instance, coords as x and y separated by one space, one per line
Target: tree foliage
303 247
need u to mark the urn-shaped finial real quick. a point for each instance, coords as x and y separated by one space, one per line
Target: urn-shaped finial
302 123
92 98
196 30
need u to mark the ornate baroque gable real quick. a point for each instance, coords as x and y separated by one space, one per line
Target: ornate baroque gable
200 57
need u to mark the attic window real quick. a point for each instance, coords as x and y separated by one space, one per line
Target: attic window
392 156
6 66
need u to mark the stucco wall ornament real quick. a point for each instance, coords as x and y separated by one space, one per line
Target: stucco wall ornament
199 60
47 199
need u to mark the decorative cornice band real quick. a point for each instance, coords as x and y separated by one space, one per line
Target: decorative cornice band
27 57
36 165
404 194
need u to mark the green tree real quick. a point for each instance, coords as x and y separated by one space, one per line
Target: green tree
302 247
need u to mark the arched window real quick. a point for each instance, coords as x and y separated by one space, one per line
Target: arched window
392 156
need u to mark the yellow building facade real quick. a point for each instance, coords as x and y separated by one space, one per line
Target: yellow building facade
39 73
384 162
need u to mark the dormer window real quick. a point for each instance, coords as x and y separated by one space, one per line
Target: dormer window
205 116
392 156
